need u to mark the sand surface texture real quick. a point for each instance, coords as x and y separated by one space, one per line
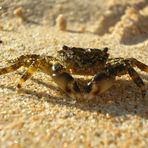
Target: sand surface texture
41 115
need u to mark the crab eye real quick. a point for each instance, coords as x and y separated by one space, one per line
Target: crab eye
56 67
65 47
105 49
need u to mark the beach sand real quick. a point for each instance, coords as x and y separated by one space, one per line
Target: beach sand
42 115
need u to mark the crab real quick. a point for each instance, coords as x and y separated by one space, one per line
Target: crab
71 61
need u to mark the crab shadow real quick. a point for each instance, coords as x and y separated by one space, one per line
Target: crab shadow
122 99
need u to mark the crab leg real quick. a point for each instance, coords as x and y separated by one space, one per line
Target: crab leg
10 68
138 81
137 63
27 74
24 60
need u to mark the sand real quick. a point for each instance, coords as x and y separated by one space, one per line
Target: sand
41 115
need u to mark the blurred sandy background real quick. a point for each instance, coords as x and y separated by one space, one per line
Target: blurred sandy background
41 115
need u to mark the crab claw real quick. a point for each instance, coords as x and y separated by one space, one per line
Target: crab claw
99 84
67 83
